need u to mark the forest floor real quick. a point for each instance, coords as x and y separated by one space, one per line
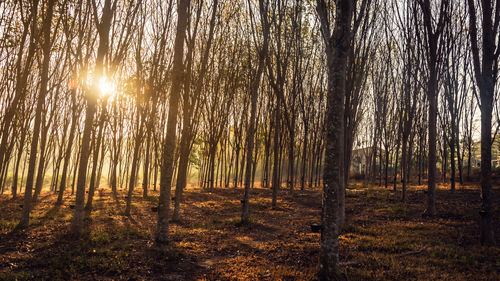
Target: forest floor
384 239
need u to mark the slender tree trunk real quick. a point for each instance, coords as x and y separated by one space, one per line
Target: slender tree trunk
95 162
433 38
452 156
386 167
211 166
182 176
167 166
3 176
75 170
103 27
469 144
254 163
460 159
228 175
304 159
337 50
78 215
25 216
431 187
22 73
252 126
487 236
145 173
404 164
135 163
265 171
67 155
41 163
18 161
242 164
395 182
486 71
291 149
275 183
235 181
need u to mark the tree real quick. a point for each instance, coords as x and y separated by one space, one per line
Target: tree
337 46
254 91
167 166
103 26
190 107
485 59
44 73
434 45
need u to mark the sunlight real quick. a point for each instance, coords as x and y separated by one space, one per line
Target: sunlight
380 118
106 87
73 84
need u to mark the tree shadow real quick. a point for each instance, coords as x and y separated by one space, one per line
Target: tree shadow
52 212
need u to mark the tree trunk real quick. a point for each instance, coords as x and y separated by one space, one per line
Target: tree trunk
22 73
145 173
41 163
291 149
167 167
404 166
133 172
103 27
395 182
18 161
386 167
304 159
452 155
67 156
181 176
211 167
252 126
95 162
487 236
275 182
44 76
135 162
337 50
431 181
237 152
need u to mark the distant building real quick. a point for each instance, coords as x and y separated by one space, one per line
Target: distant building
360 160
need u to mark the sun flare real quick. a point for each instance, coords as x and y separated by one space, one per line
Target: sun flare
106 87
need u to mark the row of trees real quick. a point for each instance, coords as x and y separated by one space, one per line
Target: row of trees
151 92
113 98
440 54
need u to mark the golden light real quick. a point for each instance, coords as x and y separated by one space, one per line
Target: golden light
73 84
106 87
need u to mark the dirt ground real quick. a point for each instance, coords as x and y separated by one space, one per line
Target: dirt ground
384 239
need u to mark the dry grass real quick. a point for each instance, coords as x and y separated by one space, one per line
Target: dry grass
384 238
